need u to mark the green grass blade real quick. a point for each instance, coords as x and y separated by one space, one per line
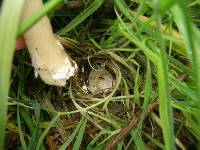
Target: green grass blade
84 14
138 140
96 138
165 106
21 135
72 136
79 137
178 64
27 23
148 86
28 120
9 20
126 92
165 5
121 5
34 129
123 62
136 87
183 88
165 109
185 106
37 131
195 126
50 125
186 27
123 28
156 142
160 61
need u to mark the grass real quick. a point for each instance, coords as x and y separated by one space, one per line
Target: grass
150 47
10 14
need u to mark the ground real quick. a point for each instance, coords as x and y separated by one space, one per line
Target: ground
151 52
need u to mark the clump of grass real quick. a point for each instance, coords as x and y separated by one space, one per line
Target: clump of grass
151 48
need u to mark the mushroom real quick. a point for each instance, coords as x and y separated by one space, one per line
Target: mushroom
49 59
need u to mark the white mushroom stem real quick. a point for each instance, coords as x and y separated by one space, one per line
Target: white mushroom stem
48 56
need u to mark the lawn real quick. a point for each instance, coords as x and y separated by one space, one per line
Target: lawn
150 51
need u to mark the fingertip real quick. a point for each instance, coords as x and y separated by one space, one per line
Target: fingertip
20 43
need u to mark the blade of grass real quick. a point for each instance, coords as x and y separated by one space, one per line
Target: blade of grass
80 18
50 125
148 86
195 126
123 61
126 92
144 22
185 26
165 6
140 145
30 21
156 142
168 33
21 135
178 64
120 145
9 20
136 87
72 136
34 128
165 109
184 106
183 88
79 137
160 61
35 134
97 137
28 120
191 39
136 134
129 35
121 5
